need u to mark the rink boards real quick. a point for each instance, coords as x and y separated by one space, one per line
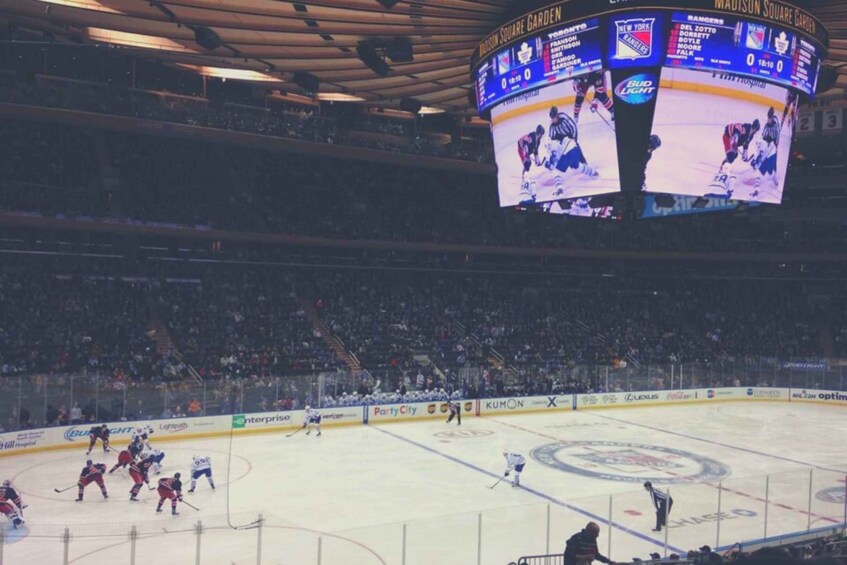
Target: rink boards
69 437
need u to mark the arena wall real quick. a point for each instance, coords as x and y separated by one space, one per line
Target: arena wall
70 437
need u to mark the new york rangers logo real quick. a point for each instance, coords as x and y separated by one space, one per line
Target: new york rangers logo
634 38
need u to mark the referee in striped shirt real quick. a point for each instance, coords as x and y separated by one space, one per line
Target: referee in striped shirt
663 504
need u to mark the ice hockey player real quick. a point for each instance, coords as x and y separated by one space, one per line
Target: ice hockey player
201 466
723 183
139 473
564 150
155 456
528 147
516 462
455 412
91 473
764 163
583 84
652 145
142 435
11 504
170 489
125 457
739 136
312 417
662 502
100 432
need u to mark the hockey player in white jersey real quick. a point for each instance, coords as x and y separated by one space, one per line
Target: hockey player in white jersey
142 435
154 455
564 152
723 183
312 418
201 466
764 163
514 462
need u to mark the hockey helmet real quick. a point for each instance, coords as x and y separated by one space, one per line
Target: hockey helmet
539 130
757 125
770 112
648 484
7 483
177 475
554 111
655 141
88 462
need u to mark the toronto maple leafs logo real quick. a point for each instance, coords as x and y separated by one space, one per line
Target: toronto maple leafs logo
781 43
525 53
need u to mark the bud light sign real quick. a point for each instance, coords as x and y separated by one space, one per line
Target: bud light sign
637 89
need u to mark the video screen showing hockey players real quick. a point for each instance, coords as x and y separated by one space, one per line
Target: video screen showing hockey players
720 136
557 143
580 207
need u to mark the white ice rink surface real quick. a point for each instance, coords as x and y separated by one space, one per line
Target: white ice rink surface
355 487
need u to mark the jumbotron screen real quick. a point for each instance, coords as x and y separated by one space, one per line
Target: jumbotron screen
688 97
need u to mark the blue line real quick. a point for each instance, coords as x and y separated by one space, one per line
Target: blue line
546 497
753 451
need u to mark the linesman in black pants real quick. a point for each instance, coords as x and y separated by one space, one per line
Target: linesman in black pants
455 410
663 504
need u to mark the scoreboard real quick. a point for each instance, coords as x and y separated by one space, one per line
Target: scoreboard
700 40
549 57
732 45
590 98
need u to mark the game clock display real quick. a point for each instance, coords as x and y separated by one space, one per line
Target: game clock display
557 55
708 42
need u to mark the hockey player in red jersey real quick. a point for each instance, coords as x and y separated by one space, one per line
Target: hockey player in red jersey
583 84
98 432
170 489
91 473
125 457
739 136
11 504
138 473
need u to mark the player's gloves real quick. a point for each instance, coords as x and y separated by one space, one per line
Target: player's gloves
507 474
179 498
594 106
304 424
744 156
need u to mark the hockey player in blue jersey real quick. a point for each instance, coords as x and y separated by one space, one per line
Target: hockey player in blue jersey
564 151
312 418
201 467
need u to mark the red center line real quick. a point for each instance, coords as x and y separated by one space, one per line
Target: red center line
690 480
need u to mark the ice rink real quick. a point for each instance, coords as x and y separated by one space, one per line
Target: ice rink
691 126
596 138
352 490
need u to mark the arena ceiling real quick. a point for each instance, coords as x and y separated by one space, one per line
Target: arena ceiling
275 39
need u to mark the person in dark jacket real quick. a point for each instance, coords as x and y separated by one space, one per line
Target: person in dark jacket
581 549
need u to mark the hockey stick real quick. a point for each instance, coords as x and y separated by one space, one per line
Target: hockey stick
605 121
294 432
497 483
190 505
64 489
